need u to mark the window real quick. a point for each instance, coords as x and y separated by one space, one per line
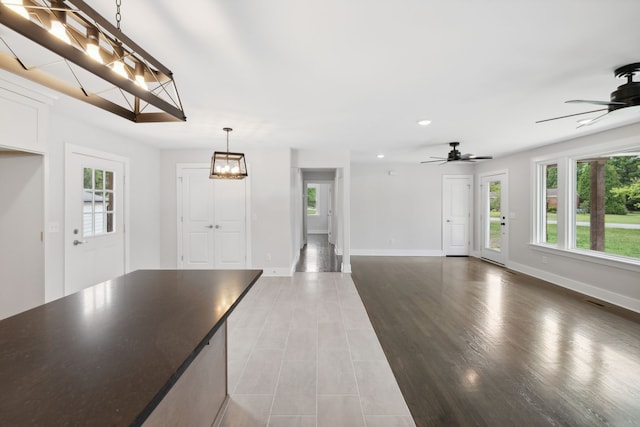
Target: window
549 204
607 212
312 199
589 204
98 202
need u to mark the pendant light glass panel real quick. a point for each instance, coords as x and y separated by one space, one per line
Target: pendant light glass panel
225 165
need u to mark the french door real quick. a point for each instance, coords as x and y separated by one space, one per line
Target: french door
494 203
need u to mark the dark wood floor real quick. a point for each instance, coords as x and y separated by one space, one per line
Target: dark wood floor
471 343
318 255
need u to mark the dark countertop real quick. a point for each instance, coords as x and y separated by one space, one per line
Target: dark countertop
108 354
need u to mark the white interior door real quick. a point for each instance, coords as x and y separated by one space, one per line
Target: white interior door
456 205
212 221
494 217
197 219
94 220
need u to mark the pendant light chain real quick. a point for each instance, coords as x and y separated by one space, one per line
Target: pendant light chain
118 14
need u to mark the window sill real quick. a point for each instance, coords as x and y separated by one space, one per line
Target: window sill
591 257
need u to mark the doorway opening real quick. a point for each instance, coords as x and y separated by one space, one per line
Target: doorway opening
318 252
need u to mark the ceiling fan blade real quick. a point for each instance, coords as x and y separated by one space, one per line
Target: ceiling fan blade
572 115
585 101
592 121
434 161
474 157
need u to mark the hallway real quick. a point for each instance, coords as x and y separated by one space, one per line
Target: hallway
319 256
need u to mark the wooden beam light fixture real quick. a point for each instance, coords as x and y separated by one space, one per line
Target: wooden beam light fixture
131 83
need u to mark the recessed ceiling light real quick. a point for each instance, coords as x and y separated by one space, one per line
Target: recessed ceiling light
424 122
381 156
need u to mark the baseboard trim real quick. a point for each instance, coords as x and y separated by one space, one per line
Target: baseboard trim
278 271
574 285
396 252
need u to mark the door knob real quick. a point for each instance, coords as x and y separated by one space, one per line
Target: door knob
448 220
78 242
217 226
209 226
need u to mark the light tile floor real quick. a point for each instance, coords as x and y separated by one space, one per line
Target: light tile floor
302 352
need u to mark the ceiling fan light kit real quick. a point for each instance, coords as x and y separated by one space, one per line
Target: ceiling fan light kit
78 34
626 95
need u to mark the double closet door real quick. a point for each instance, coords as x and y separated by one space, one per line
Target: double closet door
212 221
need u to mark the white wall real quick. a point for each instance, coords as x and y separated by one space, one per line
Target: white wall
617 285
271 212
398 213
144 178
21 222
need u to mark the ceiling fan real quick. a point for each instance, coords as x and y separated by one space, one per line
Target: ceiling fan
456 156
627 95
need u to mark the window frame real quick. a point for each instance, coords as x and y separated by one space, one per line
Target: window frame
567 190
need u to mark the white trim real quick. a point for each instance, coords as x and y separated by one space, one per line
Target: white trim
602 258
397 252
583 288
70 149
277 271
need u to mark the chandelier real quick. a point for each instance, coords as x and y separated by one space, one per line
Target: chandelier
81 45
227 165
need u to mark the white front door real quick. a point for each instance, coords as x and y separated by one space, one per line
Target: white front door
494 217
212 221
456 213
94 220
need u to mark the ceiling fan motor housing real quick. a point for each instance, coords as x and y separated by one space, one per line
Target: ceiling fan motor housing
454 154
628 93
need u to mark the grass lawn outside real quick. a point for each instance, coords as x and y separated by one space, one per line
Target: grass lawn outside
617 241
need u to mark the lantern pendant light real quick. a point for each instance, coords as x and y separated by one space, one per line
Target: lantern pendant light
227 165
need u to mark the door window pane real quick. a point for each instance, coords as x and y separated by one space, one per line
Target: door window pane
98 207
495 233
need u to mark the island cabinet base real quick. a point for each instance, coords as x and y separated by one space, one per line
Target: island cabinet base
199 395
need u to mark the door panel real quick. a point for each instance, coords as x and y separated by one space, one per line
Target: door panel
456 202
229 214
197 219
494 217
94 221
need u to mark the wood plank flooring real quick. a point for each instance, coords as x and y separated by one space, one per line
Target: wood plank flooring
318 255
471 343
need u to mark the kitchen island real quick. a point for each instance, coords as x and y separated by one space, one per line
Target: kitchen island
146 348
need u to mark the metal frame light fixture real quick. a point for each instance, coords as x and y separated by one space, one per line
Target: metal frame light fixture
140 88
227 165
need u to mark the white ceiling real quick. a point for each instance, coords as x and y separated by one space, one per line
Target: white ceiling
358 75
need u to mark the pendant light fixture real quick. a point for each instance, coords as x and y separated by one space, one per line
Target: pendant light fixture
139 87
227 165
